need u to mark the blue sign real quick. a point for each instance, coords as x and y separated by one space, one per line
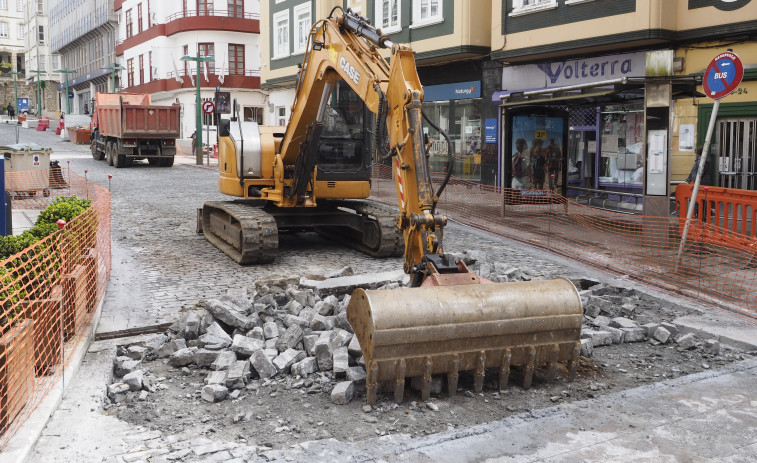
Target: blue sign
490 131
457 91
22 104
70 94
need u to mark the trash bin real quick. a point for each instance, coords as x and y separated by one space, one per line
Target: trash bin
27 168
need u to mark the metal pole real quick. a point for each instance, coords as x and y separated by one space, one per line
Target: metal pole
68 100
690 207
198 130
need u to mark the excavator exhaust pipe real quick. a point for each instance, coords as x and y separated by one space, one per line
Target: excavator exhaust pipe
409 332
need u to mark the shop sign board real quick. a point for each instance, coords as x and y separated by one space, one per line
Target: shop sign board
490 131
574 71
723 75
456 91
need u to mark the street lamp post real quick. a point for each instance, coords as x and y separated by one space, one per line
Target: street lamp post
113 69
198 110
65 73
39 102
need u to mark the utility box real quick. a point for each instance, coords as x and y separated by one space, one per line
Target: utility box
27 169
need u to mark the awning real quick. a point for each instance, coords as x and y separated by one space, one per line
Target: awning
619 90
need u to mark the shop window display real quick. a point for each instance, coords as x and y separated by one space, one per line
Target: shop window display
462 121
536 152
620 161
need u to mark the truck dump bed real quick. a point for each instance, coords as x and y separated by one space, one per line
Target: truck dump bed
133 116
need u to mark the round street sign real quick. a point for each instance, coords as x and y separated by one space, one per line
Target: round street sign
723 75
208 107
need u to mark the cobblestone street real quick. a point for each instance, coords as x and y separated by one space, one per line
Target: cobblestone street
161 269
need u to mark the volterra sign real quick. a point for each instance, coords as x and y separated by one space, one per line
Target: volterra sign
573 71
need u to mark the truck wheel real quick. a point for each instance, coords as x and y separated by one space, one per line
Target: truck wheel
96 154
119 160
109 153
166 162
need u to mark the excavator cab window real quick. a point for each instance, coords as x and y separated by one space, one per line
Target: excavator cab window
344 150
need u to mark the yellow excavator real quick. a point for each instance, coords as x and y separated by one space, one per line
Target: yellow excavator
314 174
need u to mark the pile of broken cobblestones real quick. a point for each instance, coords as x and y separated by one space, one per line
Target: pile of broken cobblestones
298 330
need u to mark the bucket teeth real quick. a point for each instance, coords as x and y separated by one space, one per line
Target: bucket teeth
552 365
453 375
528 375
426 387
478 379
573 362
504 370
399 380
371 383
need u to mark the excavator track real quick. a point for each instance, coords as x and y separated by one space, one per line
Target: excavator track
380 237
243 231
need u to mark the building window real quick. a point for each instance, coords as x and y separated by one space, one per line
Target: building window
128 23
186 63
236 59
302 24
253 114
207 49
530 6
281 115
20 5
41 6
152 73
141 69
204 7
21 31
139 18
236 8
3 4
4 30
388 16
41 30
281 34
130 72
426 12
149 14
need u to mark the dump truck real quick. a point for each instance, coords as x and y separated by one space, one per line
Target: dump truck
128 127
314 175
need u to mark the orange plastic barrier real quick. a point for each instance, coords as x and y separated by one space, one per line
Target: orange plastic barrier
728 217
720 274
49 293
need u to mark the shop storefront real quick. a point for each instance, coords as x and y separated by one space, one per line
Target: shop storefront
582 134
456 108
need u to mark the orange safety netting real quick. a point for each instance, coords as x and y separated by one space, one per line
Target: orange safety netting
710 269
49 291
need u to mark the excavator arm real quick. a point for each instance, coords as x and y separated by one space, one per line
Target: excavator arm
346 47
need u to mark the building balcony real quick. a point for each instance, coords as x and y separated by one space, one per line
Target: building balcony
245 78
190 20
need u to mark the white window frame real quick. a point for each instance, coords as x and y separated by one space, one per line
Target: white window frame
21 32
521 7
379 11
419 21
4 30
19 5
278 47
575 2
302 29
3 4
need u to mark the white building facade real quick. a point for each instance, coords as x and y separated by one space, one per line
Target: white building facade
154 36
38 55
11 46
83 32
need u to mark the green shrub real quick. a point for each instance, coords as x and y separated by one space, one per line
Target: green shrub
16 276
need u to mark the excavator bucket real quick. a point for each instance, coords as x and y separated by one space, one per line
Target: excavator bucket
409 332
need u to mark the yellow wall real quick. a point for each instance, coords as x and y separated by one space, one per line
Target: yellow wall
696 57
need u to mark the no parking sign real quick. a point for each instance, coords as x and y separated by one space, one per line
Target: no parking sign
723 75
36 160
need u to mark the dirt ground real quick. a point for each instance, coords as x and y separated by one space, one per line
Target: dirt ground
285 410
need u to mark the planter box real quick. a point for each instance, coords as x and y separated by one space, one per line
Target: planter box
16 371
90 260
47 315
74 299
79 136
